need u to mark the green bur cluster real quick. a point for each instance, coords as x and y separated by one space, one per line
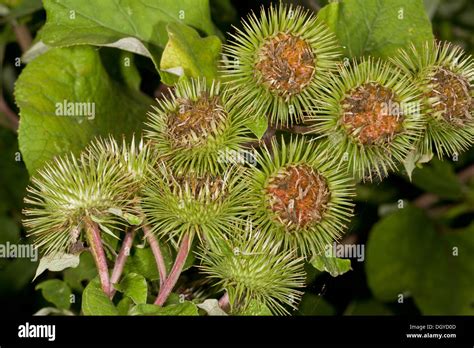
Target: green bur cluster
257 224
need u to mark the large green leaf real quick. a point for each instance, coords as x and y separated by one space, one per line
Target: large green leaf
377 27
95 301
57 292
186 308
72 75
136 26
134 286
408 255
189 54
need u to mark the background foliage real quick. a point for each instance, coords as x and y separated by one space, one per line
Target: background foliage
409 228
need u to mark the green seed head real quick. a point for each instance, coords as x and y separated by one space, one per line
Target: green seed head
252 266
69 190
298 198
206 205
135 158
276 64
445 76
197 124
370 116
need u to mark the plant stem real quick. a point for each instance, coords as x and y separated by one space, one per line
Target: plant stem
156 250
172 279
224 302
121 259
97 250
23 36
12 117
297 129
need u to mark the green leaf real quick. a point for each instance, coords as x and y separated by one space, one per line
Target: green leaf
143 262
85 271
414 159
121 67
174 298
211 306
312 304
186 308
56 263
124 305
134 286
186 53
333 265
408 255
258 126
72 76
130 218
57 292
135 26
438 178
377 27
95 301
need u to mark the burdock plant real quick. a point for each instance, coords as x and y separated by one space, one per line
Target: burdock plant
370 115
193 127
76 199
445 77
135 158
206 206
251 227
298 198
252 266
70 193
278 62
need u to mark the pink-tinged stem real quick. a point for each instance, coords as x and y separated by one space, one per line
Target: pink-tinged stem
12 118
23 36
121 259
97 250
173 277
155 248
224 302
